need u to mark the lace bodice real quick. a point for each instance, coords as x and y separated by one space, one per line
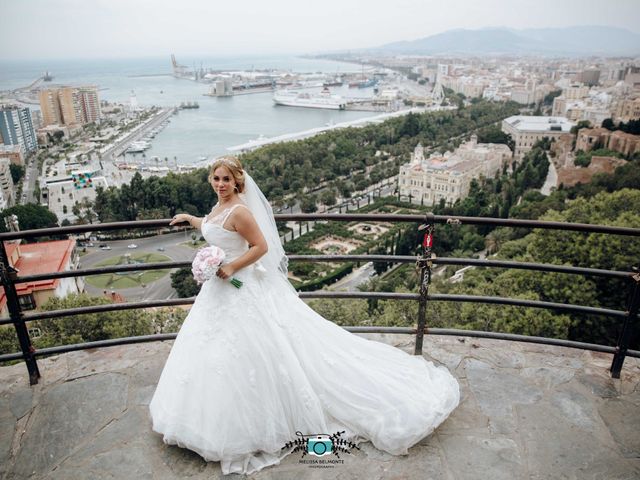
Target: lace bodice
215 233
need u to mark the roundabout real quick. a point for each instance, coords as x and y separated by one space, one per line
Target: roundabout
129 279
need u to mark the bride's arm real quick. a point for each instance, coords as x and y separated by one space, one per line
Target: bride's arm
243 222
185 217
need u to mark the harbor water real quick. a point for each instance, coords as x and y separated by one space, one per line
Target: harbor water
219 123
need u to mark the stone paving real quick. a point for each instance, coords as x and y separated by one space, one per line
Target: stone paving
526 412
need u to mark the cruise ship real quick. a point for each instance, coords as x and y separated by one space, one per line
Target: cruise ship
324 99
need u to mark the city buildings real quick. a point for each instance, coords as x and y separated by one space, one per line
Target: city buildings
627 108
69 105
63 191
13 153
448 177
527 130
16 128
42 257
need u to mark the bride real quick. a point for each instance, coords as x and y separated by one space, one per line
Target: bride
253 367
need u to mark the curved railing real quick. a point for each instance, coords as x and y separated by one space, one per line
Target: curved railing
629 317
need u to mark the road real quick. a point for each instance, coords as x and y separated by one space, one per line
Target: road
351 282
551 181
158 290
29 182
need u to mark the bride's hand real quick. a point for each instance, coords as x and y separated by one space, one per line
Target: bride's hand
225 271
180 218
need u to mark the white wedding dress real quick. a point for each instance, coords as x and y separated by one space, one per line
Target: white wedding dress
252 366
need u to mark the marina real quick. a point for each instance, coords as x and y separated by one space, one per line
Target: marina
247 115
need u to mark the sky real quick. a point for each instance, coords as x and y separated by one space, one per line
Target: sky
55 29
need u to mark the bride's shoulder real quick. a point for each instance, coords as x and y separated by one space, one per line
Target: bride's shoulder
241 210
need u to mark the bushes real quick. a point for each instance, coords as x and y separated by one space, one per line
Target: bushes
333 277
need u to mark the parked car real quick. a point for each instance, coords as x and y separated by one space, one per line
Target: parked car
132 245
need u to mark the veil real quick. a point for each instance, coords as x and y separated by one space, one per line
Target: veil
275 261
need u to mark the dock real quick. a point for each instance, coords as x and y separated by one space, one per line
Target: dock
140 131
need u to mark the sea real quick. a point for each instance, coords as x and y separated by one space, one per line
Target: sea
219 123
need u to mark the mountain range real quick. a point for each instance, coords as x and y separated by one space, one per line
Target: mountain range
579 40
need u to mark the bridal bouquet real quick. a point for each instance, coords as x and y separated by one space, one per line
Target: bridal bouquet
206 264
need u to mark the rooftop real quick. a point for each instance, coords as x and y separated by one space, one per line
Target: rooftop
527 411
36 258
539 124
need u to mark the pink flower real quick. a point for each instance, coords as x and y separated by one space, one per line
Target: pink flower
206 263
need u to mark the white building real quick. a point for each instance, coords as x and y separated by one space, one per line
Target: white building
527 130
448 176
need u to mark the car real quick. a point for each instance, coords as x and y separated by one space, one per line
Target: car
106 247
160 249
132 245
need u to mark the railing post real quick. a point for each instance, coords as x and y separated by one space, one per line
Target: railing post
8 276
424 263
628 328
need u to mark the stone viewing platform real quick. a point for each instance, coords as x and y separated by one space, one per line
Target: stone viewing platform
527 412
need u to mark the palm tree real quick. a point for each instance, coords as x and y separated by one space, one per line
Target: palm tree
495 239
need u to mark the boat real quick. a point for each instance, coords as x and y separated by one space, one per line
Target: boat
332 83
138 146
189 105
372 82
324 99
47 77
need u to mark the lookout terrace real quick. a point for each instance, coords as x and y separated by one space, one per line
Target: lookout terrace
527 411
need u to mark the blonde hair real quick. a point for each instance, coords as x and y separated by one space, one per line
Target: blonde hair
234 166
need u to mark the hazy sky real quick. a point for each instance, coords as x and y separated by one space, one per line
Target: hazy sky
42 29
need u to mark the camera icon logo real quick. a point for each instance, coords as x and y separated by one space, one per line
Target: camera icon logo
320 445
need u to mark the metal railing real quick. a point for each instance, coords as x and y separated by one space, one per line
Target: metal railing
424 262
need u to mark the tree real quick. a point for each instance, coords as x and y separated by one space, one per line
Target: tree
328 197
88 327
184 284
30 216
548 99
594 250
581 124
343 312
17 172
496 135
308 203
608 124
